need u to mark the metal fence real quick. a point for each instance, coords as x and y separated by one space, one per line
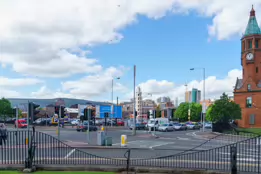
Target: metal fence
220 152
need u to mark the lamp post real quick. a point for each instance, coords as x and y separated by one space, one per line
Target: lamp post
204 93
112 83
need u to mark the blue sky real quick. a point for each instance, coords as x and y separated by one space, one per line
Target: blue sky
163 49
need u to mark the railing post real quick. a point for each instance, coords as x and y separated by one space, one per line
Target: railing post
233 159
127 156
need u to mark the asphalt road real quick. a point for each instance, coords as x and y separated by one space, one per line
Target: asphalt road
176 149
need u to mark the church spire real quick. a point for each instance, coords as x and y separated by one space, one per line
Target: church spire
252 26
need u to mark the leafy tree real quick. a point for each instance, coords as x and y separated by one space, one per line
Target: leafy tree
209 110
20 114
224 110
5 109
158 111
182 111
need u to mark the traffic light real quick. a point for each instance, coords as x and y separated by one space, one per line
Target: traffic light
56 109
86 114
14 112
106 115
136 113
63 112
32 110
165 113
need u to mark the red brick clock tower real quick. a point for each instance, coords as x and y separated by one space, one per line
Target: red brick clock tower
247 92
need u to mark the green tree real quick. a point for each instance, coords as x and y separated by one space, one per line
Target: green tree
182 111
224 110
209 110
20 114
158 111
5 109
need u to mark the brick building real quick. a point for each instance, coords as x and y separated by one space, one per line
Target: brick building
247 92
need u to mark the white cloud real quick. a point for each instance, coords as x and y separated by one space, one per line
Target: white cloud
18 82
214 87
35 36
44 93
9 93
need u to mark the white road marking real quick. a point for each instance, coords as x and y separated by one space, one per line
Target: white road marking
69 154
180 138
158 145
243 159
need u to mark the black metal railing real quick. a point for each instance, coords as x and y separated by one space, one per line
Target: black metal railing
224 152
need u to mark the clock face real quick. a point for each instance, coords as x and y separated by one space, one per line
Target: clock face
249 56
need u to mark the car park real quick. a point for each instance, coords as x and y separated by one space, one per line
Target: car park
180 126
166 127
83 127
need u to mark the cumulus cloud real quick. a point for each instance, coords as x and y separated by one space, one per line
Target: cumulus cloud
214 87
18 82
37 36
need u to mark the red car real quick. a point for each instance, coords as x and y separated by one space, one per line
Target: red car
21 123
120 123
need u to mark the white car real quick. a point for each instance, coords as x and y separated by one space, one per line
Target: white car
208 125
75 122
166 127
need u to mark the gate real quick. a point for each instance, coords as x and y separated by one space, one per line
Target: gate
240 151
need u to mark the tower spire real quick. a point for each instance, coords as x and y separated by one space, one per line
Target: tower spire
252 12
252 26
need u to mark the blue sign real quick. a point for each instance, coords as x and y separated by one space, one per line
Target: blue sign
117 111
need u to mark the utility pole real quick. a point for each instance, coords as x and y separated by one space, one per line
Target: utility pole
134 110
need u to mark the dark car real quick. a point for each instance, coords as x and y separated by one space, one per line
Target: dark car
42 121
139 126
83 127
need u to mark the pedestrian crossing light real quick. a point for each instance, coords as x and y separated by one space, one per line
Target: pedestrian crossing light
63 112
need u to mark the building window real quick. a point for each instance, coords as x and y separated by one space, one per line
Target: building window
256 43
249 44
249 87
243 71
252 119
256 69
243 46
249 102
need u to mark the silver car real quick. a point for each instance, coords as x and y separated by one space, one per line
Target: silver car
166 127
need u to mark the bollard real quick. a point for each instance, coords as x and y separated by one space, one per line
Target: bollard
26 141
233 159
123 140
102 128
57 132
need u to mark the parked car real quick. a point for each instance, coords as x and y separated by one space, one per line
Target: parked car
208 125
138 126
120 123
180 126
21 123
42 121
83 127
192 126
166 127
75 122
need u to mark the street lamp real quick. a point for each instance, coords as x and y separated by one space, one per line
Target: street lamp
112 83
204 90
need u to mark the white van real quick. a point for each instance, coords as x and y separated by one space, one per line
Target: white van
154 123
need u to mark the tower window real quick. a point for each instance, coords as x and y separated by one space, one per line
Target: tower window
256 69
250 44
243 46
249 102
249 87
256 43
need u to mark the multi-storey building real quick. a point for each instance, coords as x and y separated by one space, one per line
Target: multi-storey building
193 96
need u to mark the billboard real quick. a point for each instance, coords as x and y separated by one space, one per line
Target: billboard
101 109
117 111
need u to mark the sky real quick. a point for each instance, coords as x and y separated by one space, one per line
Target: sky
73 49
